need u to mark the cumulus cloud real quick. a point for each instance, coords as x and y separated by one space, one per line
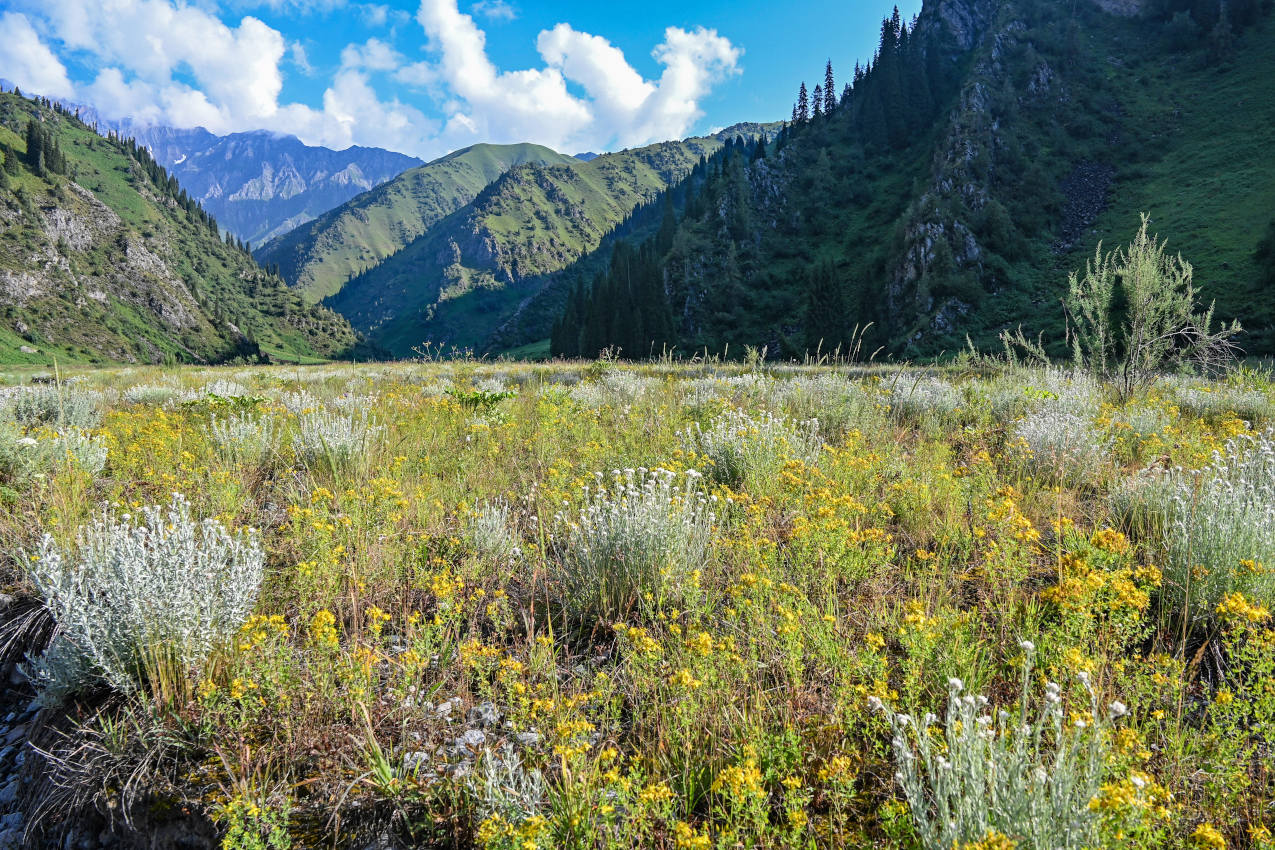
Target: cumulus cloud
162 61
27 61
621 106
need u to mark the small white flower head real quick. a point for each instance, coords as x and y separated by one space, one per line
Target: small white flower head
875 704
1081 724
955 685
904 719
27 442
1027 646
1083 676
1117 709
1138 781
930 717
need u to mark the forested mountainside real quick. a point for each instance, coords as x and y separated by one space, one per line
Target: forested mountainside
949 188
104 257
476 270
321 256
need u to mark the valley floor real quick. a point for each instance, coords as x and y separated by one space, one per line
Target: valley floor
597 605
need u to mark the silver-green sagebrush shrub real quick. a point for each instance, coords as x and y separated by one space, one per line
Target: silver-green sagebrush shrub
740 447
1060 447
1214 403
491 531
54 406
131 584
244 438
24 456
1216 525
922 399
1025 774
639 537
338 438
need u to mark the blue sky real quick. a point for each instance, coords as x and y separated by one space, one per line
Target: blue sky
427 76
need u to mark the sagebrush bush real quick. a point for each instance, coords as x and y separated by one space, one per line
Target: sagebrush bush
491 531
921 399
1218 402
1061 447
336 438
132 584
638 533
63 406
740 447
839 404
1216 526
23 455
1028 776
616 388
244 437
155 395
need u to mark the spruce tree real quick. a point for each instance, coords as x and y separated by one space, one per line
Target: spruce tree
817 101
829 90
803 104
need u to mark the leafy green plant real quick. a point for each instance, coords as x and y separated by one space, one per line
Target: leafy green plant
1134 315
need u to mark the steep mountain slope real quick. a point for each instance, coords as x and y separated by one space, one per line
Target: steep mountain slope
472 273
261 185
983 155
104 257
319 257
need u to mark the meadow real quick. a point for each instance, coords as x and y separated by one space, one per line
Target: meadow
699 605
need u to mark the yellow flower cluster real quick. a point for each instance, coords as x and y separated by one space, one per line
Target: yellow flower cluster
1206 837
741 782
1235 608
993 840
323 629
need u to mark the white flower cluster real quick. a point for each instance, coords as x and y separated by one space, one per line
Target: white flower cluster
1027 775
739 446
1220 401
130 585
221 387
615 388
642 532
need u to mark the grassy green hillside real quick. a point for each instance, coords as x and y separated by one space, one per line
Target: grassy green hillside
319 257
110 261
471 274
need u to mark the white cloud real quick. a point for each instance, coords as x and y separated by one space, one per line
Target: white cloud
301 58
535 104
27 61
163 61
373 55
494 10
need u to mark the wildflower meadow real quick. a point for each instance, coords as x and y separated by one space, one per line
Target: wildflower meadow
670 605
